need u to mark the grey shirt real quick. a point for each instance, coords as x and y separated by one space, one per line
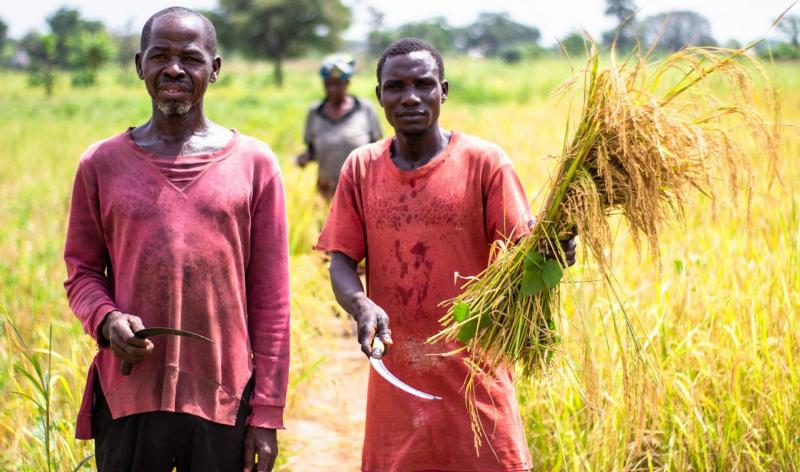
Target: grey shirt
331 141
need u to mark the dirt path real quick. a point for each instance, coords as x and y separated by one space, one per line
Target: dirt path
330 431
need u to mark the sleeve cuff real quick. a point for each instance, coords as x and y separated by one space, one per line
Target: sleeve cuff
354 254
266 417
94 322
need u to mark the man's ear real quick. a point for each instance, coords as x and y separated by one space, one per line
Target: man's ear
137 60
216 65
445 90
378 93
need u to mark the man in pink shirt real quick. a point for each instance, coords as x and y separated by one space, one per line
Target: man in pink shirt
181 223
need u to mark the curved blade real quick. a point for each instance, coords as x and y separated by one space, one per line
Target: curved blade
160 331
381 369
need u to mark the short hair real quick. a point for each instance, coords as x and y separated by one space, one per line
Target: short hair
209 31
406 46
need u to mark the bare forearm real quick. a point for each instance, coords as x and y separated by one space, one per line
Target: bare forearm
370 318
346 285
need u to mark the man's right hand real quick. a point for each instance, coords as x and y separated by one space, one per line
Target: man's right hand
372 321
118 329
303 159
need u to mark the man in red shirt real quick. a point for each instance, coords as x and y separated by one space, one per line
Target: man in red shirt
181 223
420 207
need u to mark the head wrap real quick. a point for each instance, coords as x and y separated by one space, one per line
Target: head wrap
337 66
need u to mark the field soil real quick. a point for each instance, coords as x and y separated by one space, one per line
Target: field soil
330 432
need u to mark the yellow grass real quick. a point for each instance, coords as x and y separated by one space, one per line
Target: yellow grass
721 320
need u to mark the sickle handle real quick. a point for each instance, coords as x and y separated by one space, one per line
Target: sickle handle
126 367
377 344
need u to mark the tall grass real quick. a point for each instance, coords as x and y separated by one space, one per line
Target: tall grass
724 326
650 132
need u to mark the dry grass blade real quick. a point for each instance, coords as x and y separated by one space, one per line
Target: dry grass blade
648 134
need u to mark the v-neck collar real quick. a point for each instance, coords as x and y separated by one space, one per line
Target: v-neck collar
348 114
405 175
210 159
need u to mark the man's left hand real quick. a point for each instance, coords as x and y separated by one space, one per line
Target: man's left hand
568 247
262 442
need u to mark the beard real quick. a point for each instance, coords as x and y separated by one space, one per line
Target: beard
173 108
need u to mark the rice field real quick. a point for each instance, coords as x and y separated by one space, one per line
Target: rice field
703 376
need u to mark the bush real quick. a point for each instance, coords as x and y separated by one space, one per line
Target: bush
781 52
83 78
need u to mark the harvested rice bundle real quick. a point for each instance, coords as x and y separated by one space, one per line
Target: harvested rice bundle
639 147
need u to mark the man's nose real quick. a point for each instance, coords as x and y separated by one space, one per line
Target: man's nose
410 97
174 69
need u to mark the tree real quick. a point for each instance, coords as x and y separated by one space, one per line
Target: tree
126 42
677 30
575 44
620 9
733 44
492 33
378 38
3 34
625 32
42 52
90 51
67 26
790 26
282 29
435 31
127 45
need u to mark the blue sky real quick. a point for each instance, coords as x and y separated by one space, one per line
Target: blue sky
743 20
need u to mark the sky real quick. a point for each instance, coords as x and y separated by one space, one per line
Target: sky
743 20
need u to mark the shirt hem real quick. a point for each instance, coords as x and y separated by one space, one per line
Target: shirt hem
439 469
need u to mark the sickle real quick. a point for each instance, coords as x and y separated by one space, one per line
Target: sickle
381 369
159 331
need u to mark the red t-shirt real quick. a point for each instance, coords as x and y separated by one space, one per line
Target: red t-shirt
417 229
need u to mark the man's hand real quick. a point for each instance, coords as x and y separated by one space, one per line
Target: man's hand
118 329
567 248
262 442
303 159
372 321
370 318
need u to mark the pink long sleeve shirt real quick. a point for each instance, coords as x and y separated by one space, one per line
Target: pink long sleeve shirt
191 242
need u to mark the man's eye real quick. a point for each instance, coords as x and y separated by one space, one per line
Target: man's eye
193 60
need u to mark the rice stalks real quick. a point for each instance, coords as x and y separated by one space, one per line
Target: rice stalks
649 133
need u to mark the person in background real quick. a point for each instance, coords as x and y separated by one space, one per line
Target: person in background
337 125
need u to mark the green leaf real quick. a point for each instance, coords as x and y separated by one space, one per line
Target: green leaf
532 282
460 312
533 259
551 273
470 328
467 331
678 266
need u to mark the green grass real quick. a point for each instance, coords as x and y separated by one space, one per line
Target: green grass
722 330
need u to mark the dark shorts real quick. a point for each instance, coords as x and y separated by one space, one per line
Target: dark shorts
163 441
